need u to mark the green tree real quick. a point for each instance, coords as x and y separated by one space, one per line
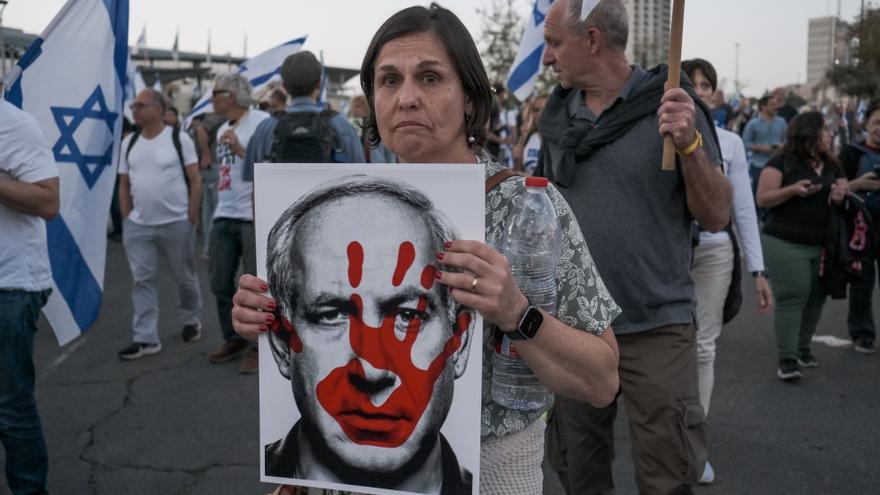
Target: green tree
867 33
862 78
500 36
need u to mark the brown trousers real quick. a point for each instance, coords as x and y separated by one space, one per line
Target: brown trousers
658 380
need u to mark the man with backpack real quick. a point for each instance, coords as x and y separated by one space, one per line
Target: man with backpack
307 132
159 198
232 233
860 163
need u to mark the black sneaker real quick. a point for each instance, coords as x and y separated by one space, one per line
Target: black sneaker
135 351
191 333
864 345
788 370
807 360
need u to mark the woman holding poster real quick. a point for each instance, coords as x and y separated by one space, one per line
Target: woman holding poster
430 101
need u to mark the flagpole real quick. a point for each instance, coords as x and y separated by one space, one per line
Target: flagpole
673 79
146 58
208 56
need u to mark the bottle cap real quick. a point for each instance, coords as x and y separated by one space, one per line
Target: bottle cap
536 182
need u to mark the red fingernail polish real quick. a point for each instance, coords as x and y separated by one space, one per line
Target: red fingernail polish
440 256
438 275
264 287
270 318
271 306
264 328
448 245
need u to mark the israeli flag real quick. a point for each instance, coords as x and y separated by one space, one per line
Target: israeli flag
259 70
72 80
527 65
134 84
322 95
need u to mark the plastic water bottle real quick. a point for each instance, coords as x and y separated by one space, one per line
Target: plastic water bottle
531 243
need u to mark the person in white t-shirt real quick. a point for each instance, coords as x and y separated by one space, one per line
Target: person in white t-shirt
528 147
159 197
232 233
28 195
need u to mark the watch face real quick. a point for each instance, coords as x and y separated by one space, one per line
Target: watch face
531 322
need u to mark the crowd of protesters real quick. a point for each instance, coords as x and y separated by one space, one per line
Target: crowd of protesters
796 197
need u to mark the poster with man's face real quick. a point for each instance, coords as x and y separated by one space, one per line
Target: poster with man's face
370 373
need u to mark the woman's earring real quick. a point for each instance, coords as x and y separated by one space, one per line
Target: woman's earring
471 139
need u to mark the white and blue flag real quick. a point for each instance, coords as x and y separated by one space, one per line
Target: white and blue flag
134 84
259 70
527 65
322 94
72 80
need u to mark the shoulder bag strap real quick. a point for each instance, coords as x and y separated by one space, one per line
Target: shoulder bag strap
495 180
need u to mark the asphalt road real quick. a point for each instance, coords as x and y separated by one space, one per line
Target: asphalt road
174 424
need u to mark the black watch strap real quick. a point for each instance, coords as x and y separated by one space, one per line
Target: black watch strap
528 325
762 273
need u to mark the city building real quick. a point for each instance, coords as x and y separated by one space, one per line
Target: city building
649 22
827 46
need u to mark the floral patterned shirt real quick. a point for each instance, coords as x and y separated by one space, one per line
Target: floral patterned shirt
583 301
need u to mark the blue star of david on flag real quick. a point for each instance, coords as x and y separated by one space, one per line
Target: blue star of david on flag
68 121
537 15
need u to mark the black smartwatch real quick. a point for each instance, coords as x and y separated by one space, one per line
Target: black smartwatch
762 273
528 325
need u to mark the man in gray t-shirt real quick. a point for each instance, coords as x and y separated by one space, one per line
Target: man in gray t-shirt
603 132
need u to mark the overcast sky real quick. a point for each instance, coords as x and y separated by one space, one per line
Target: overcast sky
772 33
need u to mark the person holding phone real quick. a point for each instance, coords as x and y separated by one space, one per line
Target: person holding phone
861 163
796 187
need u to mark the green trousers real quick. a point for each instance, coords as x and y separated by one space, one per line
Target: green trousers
794 277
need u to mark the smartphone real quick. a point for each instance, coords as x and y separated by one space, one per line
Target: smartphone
816 183
877 172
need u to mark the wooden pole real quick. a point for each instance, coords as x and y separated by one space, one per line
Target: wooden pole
674 78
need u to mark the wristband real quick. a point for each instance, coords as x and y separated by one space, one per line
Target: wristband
698 141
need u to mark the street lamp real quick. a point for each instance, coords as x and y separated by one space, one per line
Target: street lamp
2 41
736 70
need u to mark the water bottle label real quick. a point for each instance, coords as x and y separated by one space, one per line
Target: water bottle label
505 347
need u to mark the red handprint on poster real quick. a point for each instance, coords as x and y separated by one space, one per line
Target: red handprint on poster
345 393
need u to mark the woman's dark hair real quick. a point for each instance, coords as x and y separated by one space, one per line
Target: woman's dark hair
461 49
690 67
802 140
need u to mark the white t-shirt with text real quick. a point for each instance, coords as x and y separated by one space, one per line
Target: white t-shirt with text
25 156
234 194
158 183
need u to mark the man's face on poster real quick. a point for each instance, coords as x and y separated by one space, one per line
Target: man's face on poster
373 348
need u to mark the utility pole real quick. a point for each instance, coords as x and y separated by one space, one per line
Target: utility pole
736 70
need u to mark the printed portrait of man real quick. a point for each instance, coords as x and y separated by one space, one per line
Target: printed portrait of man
371 344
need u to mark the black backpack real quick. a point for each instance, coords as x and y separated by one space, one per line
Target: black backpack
304 137
175 138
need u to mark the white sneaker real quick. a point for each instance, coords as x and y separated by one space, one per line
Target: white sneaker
708 476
